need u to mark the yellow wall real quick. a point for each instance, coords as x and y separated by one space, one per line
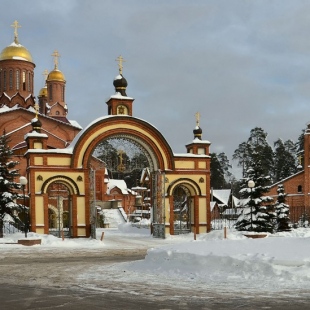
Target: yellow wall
184 164
54 161
202 165
37 145
81 232
81 211
40 230
72 175
38 161
39 210
202 210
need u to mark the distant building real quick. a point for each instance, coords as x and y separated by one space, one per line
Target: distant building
297 187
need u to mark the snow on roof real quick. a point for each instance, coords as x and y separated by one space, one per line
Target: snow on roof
196 140
222 195
118 95
212 205
35 134
190 155
120 184
77 137
75 124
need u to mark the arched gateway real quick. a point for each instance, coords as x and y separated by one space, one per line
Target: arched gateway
60 183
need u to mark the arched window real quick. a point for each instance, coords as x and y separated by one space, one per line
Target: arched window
17 79
24 80
29 81
299 189
11 79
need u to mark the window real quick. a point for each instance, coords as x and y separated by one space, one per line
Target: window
29 81
24 80
17 79
299 189
11 79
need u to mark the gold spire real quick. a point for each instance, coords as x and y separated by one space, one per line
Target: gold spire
120 61
197 115
16 25
56 55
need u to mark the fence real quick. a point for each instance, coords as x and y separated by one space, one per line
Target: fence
12 228
298 215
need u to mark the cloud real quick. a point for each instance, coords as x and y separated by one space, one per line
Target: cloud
240 63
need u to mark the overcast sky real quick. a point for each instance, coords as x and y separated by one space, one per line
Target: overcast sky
240 63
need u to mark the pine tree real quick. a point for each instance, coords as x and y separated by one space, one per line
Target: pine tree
256 144
8 188
284 159
282 211
217 174
255 215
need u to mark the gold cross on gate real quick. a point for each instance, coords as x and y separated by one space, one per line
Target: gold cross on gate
16 25
120 61
56 55
197 118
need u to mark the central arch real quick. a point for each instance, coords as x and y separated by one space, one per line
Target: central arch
141 133
136 129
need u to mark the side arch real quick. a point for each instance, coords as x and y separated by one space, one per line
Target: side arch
190 184
73 188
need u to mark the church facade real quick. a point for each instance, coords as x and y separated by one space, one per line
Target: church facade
66 180
297 186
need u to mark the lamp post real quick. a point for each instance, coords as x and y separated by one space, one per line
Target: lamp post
23 182
251 184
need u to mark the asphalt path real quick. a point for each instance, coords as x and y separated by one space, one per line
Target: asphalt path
58 279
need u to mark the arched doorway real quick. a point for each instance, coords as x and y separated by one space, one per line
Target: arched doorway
128 164
59 209
182 209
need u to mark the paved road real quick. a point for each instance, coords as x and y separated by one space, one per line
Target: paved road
66 279
27 297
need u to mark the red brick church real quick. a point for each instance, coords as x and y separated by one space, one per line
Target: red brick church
66 180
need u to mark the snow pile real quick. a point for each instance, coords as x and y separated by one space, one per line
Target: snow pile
276 262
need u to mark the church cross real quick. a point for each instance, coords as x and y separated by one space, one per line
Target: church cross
45 74
120 61
197 118
36 107
56 55
16 25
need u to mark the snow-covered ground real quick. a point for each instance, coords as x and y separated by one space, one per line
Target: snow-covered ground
276 263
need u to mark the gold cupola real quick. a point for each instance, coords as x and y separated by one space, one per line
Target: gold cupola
56 74
16 51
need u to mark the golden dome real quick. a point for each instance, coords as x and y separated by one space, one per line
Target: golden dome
16 51
56 75
43 92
